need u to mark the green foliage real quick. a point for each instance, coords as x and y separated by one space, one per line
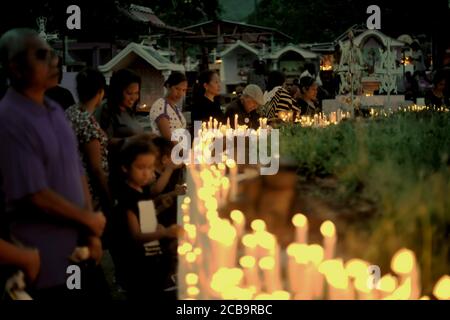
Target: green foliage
401 163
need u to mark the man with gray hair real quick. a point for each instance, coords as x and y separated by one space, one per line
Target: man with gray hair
46 194
245 107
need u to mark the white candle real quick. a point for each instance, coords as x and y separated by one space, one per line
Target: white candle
249 242
339 286
301 227
233 179
328 231
236 123
441 289
272 281
404 264
316 254
248 264
238 219
387 284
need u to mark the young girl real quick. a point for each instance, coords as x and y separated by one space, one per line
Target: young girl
140 264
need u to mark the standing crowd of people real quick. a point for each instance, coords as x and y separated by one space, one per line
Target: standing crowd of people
74 174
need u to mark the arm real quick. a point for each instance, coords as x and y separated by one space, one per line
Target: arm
25 259
94 157
164 127
162 182
87 194
138 236
52 203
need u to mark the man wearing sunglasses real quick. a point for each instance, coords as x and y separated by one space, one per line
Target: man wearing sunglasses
47 198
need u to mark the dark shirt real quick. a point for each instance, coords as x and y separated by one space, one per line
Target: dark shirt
250 119
117 125
38 151
204 108
61 95
435 102
128 200
307 109
168 216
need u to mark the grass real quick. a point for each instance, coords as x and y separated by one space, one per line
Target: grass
400 163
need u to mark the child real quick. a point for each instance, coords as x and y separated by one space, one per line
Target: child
140 264
167 185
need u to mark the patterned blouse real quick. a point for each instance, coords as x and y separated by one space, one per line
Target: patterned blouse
163 109
87 129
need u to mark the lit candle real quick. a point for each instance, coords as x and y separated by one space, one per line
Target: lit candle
301 227
297 262
272 281
264 123
387 284
442 288
248 264
236 125
404 264
233 178
339 286
316 255
357 270
249 242
328 231
225 183
238 219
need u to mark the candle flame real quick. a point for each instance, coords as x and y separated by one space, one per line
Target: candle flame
403 261
191 257
403 292
258 225
267 263
299 220
184 248
193 291
191 279
316 254
442 288
281 295
237 216
356 268
387 283
327 229
249 240
247 262
226 278
264 296
231 163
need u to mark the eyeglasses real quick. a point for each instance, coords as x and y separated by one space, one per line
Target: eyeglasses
44 54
